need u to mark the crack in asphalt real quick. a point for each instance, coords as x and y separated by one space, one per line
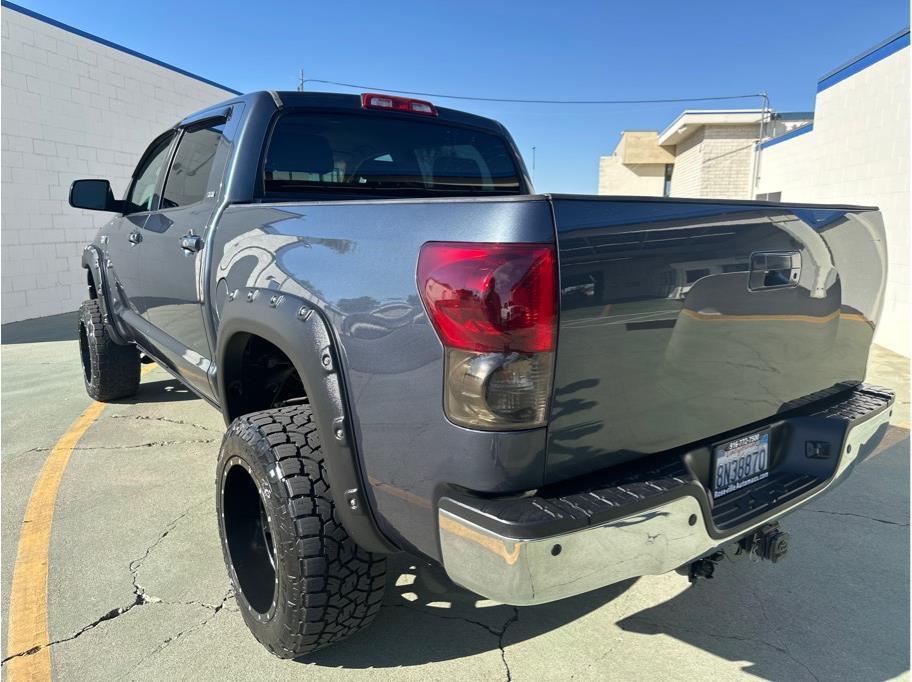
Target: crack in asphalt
149 444
214 608
168 420
139 594
499 633
485 626
500 642
663 627
783 644
110 615
136 564
738 638
804 665
860 516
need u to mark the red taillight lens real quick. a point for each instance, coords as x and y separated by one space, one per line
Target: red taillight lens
490 297
494 307
370 100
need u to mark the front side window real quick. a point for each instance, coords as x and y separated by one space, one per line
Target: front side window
357 154
188 179
142 193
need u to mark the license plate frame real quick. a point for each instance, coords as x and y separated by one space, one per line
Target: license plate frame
740 462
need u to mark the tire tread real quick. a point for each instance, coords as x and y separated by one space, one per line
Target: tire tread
115 369
336 586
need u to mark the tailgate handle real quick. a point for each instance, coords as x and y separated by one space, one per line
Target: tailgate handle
774 269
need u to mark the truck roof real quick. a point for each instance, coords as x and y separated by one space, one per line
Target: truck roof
334 100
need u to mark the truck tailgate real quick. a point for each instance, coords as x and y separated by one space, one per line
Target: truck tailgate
684 319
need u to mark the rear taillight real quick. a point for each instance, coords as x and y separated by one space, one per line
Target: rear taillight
370 100
494 307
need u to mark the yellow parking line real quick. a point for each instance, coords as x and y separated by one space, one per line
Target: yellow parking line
28 623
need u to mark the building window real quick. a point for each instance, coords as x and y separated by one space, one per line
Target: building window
666 188
770 196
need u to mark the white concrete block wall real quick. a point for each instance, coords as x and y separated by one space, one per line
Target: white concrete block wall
644 180
687 175
728 157
715 162
858 153
71 108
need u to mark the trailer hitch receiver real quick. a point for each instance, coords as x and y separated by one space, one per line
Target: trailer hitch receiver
770 542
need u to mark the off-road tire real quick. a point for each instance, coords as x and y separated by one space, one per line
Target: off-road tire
322 586
110 370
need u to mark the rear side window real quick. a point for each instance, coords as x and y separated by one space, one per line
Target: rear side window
370 154
188 178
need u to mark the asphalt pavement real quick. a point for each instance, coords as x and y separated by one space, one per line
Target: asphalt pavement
137 588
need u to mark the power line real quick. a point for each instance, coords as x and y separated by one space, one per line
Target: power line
535 101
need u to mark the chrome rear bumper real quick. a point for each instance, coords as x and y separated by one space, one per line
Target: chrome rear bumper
652 541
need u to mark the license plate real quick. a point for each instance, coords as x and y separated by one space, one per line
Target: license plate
740 462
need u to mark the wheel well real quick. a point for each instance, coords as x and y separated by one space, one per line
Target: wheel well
93 290
258 375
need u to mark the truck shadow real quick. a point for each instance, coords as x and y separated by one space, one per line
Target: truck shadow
836 608
162 391
426 618
827 611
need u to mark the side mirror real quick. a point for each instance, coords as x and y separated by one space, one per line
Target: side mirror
94 195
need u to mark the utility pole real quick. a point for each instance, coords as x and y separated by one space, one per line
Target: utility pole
755 175
533 164
301 81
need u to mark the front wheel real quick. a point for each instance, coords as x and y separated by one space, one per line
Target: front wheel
300 581
110 370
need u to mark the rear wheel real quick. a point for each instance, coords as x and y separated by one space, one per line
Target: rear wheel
300 580
110 370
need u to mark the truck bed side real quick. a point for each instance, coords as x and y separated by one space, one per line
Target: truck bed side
355 262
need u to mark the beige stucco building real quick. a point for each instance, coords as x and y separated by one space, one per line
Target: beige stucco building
713 152
705 153
639 166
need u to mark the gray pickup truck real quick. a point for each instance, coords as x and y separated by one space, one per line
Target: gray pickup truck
543 394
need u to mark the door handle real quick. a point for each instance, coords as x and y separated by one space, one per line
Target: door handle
191 243
135 237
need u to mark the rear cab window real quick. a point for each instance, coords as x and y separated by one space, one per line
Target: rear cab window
188 179
349 155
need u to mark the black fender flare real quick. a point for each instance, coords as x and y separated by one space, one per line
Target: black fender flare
92 260
297 328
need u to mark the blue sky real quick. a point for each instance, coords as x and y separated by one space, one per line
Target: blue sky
551 50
